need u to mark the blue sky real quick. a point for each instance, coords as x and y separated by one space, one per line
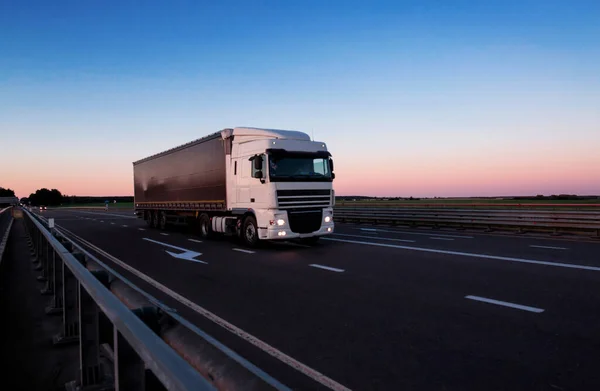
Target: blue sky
410 94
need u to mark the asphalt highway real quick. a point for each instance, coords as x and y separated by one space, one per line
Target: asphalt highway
377 308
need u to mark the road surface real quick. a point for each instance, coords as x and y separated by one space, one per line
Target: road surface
376 308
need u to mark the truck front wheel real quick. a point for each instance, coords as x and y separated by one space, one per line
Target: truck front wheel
250 231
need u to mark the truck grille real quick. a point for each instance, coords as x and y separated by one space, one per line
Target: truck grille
305 221
287 199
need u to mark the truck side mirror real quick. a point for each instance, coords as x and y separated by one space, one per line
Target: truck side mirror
258 162
331 165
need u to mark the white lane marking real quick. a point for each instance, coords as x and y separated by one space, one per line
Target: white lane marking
188 255
333 269
173 312
243 251
379 238
434 238
473 255
195 241
369 229
164 234
102 221
141 229
419 233
297 365
124 226
505 304
112 223
550 247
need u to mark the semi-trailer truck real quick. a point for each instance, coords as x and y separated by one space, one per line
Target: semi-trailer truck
257 184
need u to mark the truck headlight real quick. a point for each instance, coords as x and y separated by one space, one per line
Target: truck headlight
327 219
280 222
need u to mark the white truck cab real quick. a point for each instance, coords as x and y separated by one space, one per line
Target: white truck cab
284 179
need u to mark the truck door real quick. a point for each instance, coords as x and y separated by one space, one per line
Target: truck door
243 180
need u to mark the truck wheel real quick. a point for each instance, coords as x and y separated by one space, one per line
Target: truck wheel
148 218
155 219
205 227
162 220
250 231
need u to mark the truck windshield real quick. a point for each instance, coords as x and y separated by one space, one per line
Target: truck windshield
299 169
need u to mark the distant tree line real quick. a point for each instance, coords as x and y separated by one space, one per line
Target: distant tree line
6 192
54 197
44 197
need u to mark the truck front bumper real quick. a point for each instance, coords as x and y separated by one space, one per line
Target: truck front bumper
284 233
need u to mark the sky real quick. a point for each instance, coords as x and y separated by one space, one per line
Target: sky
413 98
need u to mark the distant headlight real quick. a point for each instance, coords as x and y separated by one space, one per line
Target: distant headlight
327 219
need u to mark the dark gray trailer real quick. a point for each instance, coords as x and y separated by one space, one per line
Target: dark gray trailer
190 177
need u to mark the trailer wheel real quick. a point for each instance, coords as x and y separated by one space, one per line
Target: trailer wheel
250 231
162 220
155 219
148 218
205 226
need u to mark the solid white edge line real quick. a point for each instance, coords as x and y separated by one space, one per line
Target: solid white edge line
195 240
164 234
378 238
306 370
124 226
473 255
549 247
141 229
505 304
418 233
333 269
434 238
243 251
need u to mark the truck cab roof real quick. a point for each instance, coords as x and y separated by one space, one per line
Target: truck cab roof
249 133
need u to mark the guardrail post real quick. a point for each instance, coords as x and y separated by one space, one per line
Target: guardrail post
128 366
50 275
56 304
34 240
70 328
90 368
43 261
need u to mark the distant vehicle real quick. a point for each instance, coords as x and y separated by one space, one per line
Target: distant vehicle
258 184
43 208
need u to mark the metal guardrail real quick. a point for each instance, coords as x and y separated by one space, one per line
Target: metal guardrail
141 337
481 205
555 221
6 220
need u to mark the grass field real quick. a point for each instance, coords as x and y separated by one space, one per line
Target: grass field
118 205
